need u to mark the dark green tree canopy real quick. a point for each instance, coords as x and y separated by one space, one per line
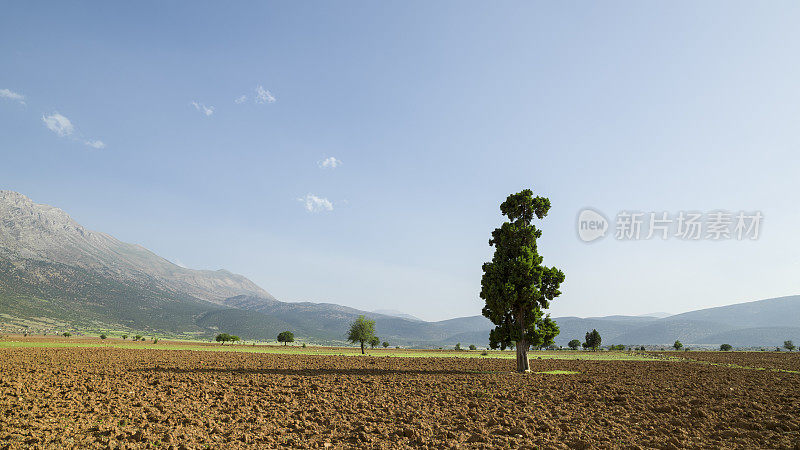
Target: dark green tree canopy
374 341
574 344
285 337
593 340
515 285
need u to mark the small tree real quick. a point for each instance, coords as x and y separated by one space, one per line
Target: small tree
103 336
457 347
66 334
677 345
385 344
574 344
138 338
222 338
725 347
234 339
593 340
516 286
155 340
374 342
472 347
361 331
286 337
124 336
788 345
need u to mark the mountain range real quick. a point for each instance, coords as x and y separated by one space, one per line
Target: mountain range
57 275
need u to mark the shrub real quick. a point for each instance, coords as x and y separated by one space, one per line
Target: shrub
725 347
574 344
66 334
385 344
304 345
124 336
138 338
103 336
472 347
155 341
484 353
457 347
788 345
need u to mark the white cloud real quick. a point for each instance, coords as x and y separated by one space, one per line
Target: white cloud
329 163
97 143
316 204
263 95
11 95
240 99
58 124
207 110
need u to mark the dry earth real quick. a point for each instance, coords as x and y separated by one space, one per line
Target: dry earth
124 398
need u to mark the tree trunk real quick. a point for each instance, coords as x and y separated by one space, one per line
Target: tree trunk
523 365
362 347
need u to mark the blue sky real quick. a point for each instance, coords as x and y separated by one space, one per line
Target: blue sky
433 113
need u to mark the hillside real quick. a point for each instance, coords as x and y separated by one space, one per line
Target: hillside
57 275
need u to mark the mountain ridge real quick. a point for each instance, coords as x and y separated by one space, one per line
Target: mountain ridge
56 274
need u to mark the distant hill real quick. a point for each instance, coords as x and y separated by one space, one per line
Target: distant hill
395 313
57 275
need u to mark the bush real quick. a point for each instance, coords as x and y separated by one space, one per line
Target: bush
472 347
155 341
484 353
124 336
138 338
618 347
385 344
725 347
103 336
304 345
457 347
66 334
574 344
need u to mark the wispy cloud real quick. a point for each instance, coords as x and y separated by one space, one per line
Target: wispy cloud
11 95
329 163
314 204
63 127
58 124
240 99
97 143
207 110
263 95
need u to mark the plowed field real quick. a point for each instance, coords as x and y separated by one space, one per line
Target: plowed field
111 397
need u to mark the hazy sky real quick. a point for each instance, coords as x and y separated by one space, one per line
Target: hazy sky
357 152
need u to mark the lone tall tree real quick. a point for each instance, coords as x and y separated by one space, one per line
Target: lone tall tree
361 330
515 284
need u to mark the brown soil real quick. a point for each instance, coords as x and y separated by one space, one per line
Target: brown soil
110 397
763 360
